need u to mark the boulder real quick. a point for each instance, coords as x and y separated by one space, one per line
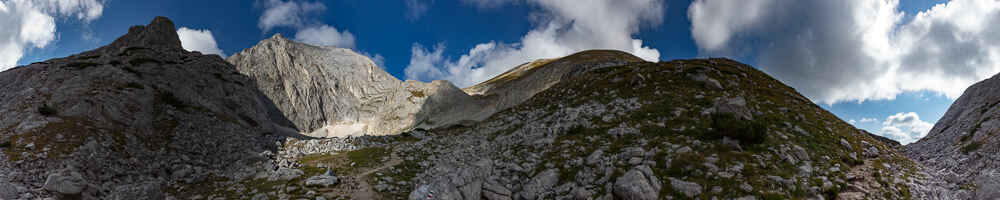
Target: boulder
639 183
689 189
543 182
65 182
327 179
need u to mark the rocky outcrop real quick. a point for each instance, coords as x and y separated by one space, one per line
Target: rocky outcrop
963 146
328 91
131 119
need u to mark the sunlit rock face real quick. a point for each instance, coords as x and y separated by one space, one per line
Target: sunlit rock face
329 92
963 146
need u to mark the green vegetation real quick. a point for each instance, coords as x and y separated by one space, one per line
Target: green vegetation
748 132
972 147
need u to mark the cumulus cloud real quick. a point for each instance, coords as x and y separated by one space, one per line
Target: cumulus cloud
868 120
199 40
324 35
905 127
298 15
32 24
279 13
417 8
871 54
562 27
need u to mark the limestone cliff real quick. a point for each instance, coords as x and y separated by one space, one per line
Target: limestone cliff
963 146
329 91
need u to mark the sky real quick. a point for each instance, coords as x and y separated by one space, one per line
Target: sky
891 67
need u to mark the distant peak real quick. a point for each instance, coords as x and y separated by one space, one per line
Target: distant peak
278 36
159 33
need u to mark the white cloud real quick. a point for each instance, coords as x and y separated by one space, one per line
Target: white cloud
417 8
868 120
31 24
870 54
324 35
562 27
199 40
279 13
852 121
905 127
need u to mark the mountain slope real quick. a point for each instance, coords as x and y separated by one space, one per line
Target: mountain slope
706 128
524 81
963 145
129 120
328 91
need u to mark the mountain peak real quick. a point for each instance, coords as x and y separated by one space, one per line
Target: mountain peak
158 33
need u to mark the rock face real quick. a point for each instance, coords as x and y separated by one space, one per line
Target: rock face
963 146
131 117
329 91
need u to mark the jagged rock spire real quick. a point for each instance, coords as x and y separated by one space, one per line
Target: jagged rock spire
159 33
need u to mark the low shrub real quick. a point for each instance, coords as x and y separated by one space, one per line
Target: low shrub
748 132
972 147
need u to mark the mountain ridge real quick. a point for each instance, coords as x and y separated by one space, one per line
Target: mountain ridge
141 118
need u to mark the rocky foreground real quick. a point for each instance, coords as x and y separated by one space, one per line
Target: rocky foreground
142 118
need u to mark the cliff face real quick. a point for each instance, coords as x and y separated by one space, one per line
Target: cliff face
963 146
328 91
128 119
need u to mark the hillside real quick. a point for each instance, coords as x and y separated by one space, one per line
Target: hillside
704 128
524 81
963 145
130 120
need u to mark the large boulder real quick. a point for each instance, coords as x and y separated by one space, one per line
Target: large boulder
639 183
542 183
66 182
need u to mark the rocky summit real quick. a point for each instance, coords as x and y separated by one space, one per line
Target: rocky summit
142 118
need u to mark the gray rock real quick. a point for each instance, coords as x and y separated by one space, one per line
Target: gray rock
285 174
639 183
495 191
595 157
689 189
541 183
323 180
65 182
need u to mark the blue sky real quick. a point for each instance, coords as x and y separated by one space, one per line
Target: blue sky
865 74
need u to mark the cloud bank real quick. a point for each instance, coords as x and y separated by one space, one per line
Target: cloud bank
298 15
855 50
562 27
32 24
199 40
